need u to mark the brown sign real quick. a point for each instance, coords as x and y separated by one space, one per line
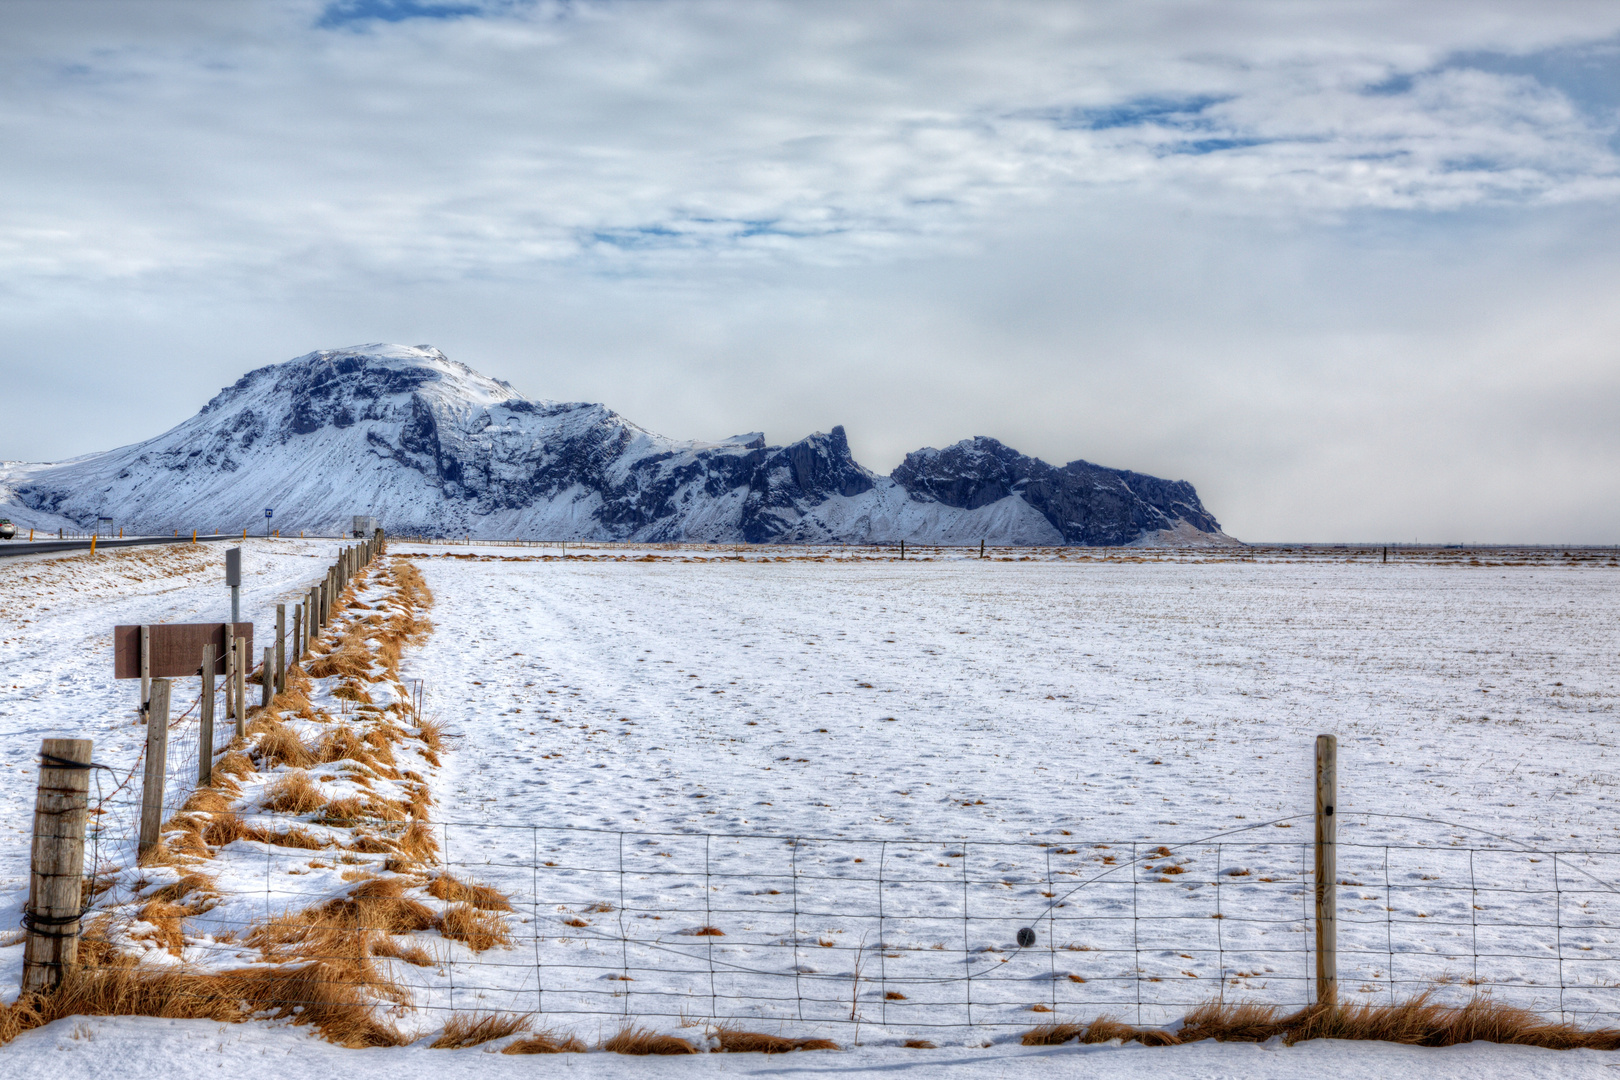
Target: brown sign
176 648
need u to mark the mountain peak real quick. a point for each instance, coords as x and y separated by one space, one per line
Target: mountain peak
427 444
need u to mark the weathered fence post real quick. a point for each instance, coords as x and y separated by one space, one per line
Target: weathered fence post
281 648
146 667
1327 871
230 668
267 676
55 900
157 761
239 647
205 720
298 632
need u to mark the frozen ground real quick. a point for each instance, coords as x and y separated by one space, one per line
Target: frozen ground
935 721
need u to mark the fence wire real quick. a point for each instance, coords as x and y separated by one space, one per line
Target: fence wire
919 934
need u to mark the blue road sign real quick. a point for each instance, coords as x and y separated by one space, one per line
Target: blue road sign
267 512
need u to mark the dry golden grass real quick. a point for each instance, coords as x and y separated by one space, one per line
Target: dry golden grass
343 812
188 884
348 930
643 1041
417 843
337 1005
1419 1021
207 800
351 691
432 734
227 828
349 659
736 1041
293 793
1231 1022
292 700
166 918
415 955
919 1044
342 744
380 739
278 745
477 929
474 1029
451 889
545 1042
233 765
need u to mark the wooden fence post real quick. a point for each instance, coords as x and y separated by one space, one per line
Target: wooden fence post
267 676
1327 871
205 720
230 669
146 668
157 762
281 648
239 647
298 632
61 808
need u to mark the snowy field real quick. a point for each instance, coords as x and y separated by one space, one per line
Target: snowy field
831 761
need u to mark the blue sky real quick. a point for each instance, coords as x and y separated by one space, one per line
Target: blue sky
1348 267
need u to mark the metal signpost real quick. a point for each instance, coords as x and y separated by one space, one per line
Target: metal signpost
268 514
233 578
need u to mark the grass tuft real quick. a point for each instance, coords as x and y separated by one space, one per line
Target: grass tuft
736 1041
293 793
451 889
474 1029
641 1042
545 1042
479 930
1418 1021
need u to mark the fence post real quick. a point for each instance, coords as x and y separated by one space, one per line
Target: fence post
298 632
205 720
146 667
267 676
281 648
157 761
1327 871
239 647
230 669
61 808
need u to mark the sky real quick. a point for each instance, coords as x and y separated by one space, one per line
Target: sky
1352 269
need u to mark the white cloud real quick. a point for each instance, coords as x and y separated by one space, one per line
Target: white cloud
1090 229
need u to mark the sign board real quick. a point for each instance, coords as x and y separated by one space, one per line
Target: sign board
268 512
233 567
176 648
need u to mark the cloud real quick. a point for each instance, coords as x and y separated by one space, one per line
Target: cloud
1094 229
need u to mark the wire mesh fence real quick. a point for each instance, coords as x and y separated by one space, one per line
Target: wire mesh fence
919 934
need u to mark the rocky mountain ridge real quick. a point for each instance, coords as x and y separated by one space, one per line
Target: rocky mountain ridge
431 446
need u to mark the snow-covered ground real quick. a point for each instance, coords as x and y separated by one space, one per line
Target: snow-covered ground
635 744
123 1049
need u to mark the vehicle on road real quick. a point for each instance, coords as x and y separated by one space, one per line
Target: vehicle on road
8 531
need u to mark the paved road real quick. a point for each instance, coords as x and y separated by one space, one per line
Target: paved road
24 547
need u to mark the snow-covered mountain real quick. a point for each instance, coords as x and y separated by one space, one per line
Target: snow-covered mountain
429 445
